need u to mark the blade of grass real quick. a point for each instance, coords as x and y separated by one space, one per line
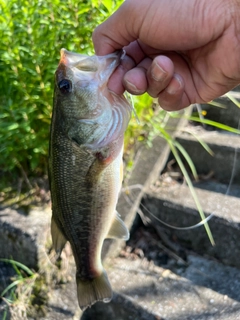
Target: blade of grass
173 148
188 159
10 286
192 190
5 315
214 124
17 270
203 143
20 265
234 100
217 104
17 282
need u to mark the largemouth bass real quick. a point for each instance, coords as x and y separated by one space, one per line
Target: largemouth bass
85 166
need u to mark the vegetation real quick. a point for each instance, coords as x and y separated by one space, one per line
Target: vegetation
26 294
31 38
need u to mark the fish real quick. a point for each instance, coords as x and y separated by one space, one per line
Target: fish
85 166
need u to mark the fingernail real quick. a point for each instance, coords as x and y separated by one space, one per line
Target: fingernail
132 88
157 72
175 84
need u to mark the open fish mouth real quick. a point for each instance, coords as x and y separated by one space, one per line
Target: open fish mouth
103 64
90 72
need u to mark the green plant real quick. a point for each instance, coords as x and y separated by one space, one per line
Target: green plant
31 38
141 127
18 293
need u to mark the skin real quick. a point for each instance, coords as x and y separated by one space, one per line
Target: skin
181 52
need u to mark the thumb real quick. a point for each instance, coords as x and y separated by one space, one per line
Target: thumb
118 30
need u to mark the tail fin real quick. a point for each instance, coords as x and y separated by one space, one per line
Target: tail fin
91 291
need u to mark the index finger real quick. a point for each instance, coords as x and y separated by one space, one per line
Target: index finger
114 33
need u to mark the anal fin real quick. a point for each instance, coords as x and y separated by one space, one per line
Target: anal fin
118 229
58 238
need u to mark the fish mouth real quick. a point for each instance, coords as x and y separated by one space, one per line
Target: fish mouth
74 57
104 66
88 63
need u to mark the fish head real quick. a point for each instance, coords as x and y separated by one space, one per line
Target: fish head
81 83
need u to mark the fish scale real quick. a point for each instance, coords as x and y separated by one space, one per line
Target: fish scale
85 161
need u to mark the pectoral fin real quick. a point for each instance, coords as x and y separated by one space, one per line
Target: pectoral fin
118 229
58 238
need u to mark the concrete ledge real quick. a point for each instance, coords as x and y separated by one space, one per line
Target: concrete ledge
175 206
226 149
23 238
228 115
194 292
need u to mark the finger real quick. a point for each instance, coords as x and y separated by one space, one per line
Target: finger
115 82
134 50
159 75
182 90
173 96
134 55
135 80
115 32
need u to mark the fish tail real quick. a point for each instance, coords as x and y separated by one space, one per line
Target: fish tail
91 291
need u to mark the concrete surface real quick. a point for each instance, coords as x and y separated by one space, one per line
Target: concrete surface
24 237
228 114
225 148
160 278
175 206
195 291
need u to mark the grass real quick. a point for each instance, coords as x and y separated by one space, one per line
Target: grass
31 39
18 294
28 291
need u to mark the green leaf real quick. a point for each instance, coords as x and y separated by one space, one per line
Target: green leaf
188 159
12 126
108 4
203 143
192 190
211 123
18 264
234 100
10 286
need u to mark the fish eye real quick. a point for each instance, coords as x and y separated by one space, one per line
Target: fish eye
65 86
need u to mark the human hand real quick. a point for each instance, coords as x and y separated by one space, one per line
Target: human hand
181 52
